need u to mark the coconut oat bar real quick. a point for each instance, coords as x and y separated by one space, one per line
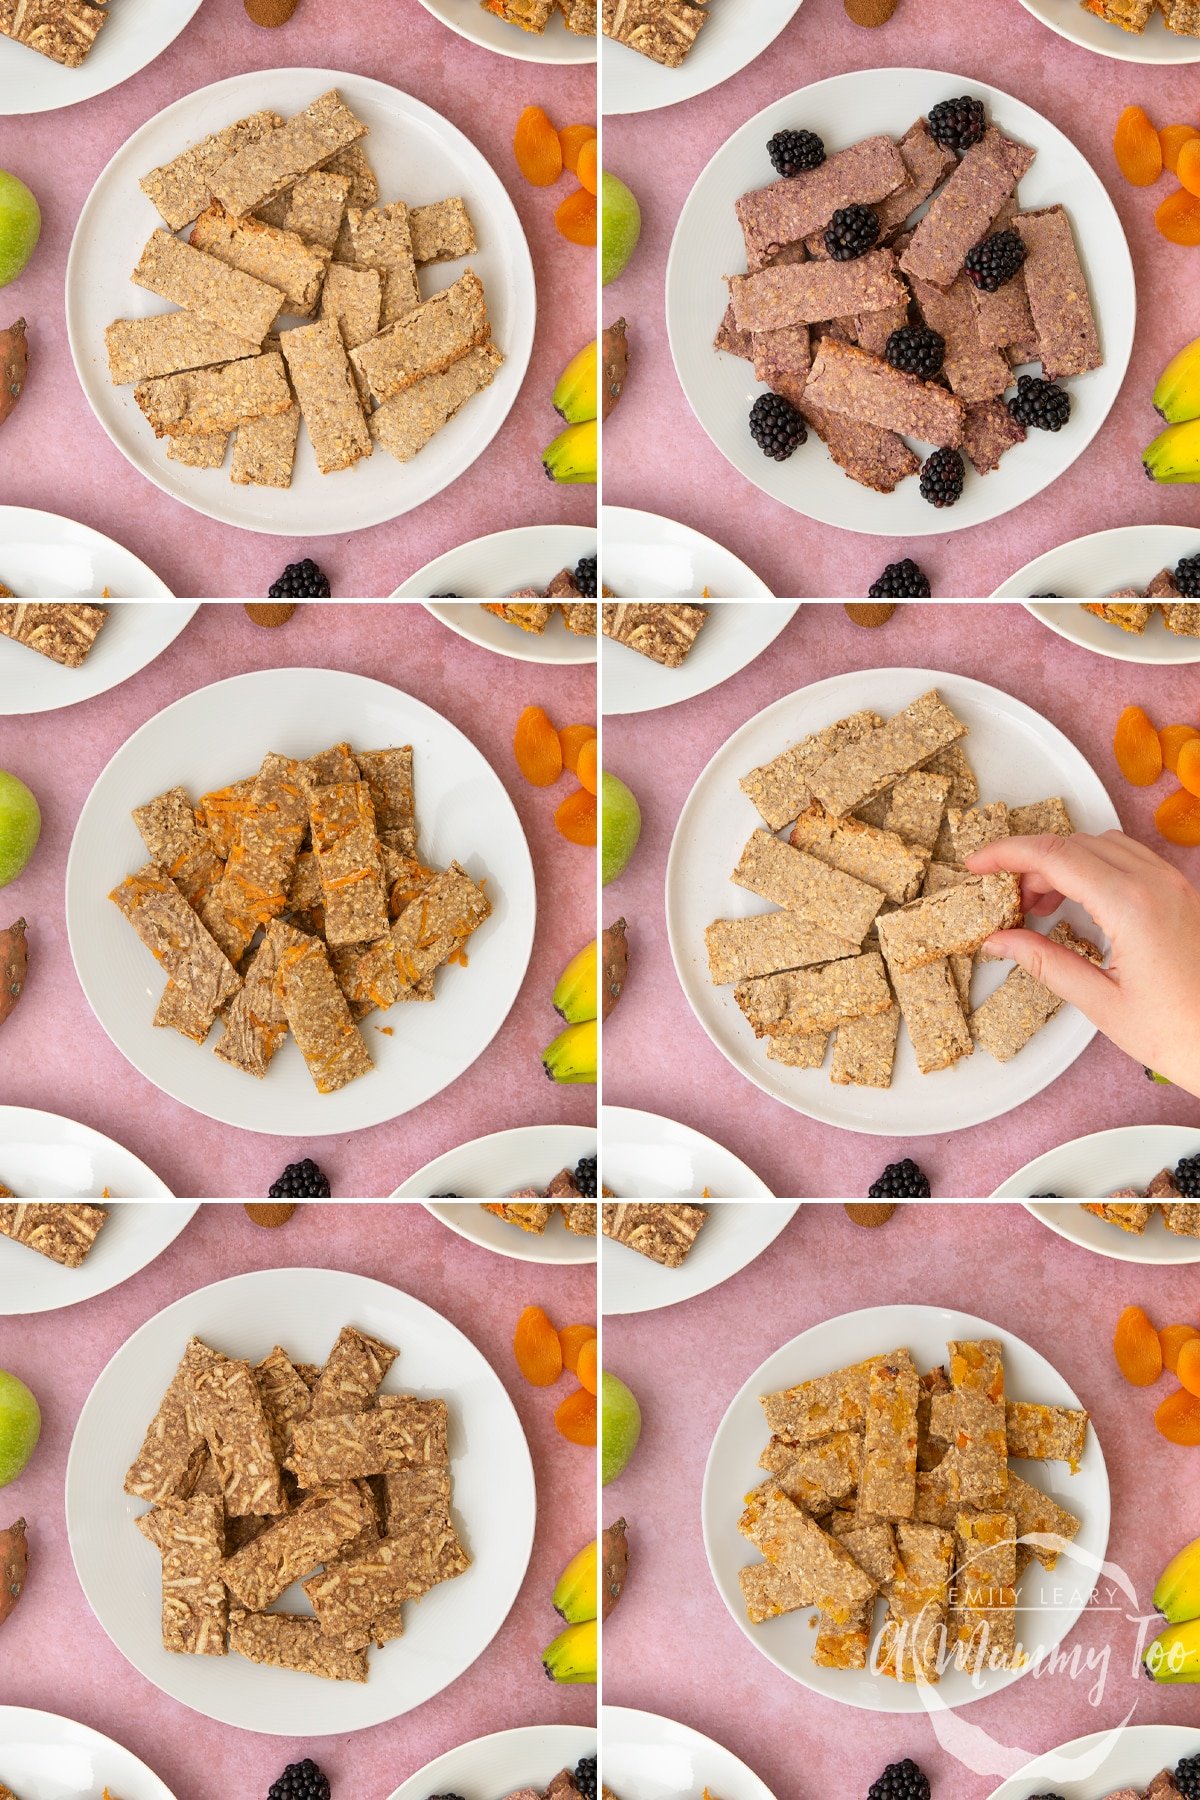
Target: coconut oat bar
959 216
441 232
404 424
808 887
62 30
380 239
321 375
788 1538
780 789
427 340
807 1000
794 293
663 631
228 1409
389 776
203 401
859 770
180 189
930 1002
864 1050
1020 1006
976 371
664 1233
347 853
167 344
320 1021
354 1594
352 1375
207 287
173 1451
845 379
1183 1220
64 631
282 259
257 172
1046 1433
190 1534
294 1545
949 923
888 1484
285 1396
791 209
663 30
740 949
64 1233
983 1618
1068 341
416 1510
867 853
201 973
292 1641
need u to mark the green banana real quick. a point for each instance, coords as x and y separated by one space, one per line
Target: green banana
575 998
573 1054
1177 396
576 397
576 1598
1177 1595
1174 1656
1175 453
573 454
572 1655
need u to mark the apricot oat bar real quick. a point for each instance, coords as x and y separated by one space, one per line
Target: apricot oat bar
530 15
63 1232
441 232
426 340
320 1021
256 172
665 632
665 1233
1046 1433
888 1483
1183 619
918 1604
190 1534
788 1538
818 1476
405 423
983 1616
534 1218
292 1641
65 631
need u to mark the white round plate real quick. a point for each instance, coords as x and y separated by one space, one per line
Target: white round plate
304 1309
1154 45
554 45
46 1157
528 1757
721 389
52 1758
46 557
418 157
136 32
134 633
215 736
647 557
650 1758
731 39
1018 756
1049 1605
1096 1766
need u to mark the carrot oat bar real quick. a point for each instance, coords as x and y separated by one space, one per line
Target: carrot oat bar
190 1535
405 423
880 858
202 401
65 1232
64 631
380 239
330 1042
256 172
807 887
389 776
441 231
427 340
321 375
256 1023
180 189
291 1641
282 259
740 949
175 936
432 928
859 770
351 870
781 788
1020 1006
262 859
665 1233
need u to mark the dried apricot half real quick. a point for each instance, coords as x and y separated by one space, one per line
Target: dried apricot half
576 1417
1173 738
1137 1348
1187 766
1178 1418
1137 148
1178 819
1178 218
576 217
574 1337
1137 748
537 1348
537 148
1173 138
576 817
574 137
537 748
1173 1338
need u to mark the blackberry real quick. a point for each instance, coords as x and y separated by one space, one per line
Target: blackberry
1187 1778
300 1781
776 426
585 1177
851 232
1187 577
957 124
300 581
1045 596
445 1197
1045 1797
1045 1196
585 1777
900 1181
996 260
445 596
942 478
445 1797
585 577
900 581
300 1181
792 151
917 351
900 1781
1040 404
1187 1180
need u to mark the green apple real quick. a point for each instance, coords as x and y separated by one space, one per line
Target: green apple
620 827
620 1427
20 226
20 826
620 226
20 1426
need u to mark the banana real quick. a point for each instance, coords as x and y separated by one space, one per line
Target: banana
573 1054
1175 453
576 1598
573 454
1174 1656
572 1655
1177 396
576 998
576 397
1177 1595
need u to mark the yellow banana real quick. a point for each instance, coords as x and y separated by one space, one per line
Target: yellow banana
576 398
1177 396
1174 1656
576 1598
573 454
572 1056
572 1655
576 997
1175 453
1177 1595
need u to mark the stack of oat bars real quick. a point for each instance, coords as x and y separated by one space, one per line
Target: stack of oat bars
887 1483
878 920
286 223
263 1476
294 900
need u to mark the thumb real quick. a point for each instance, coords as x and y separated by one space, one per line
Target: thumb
1071 976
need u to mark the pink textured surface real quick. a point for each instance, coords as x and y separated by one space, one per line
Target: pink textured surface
57 456
56 1055
999 1264
661 754
56 1654
1080 93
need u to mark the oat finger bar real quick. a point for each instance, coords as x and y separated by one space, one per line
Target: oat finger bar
176 938
292 1641
264 450
803 1050
351 1596
203 401
959 216
441 232
927 164
330 1042
65 1232
380 239
65 631
280 258
881 859
665 1233
347 852
293 1546
228 1408
285 1396
769 1591
780 789
808 1000
191 1537
167 344
1049 816
352 1375
807 887
405 423
789 210
663 632
257 172
1020 1006
180 189
207 287
740 949
426 340
321 376
949 923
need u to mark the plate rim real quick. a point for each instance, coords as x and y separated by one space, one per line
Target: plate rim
621 1713
691 92
1090 1740
1123 51
88 1732
555 1732
522 52
93 92
689 534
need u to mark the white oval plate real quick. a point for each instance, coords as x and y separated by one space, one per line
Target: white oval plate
222 732
1056 1601
529 1756
52 1758
1018 756
132 1236
1126 556
733 636
490 568
1090 1168
46 1157
554 45
137 31
418 157
650 1758
491 1167
44 556
647 557
1154 45
721 389
1096 1766
733 37
134 633
304 1309
555 1245
554 645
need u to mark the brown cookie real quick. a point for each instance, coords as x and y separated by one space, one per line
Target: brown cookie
273 613
275 1213
873 1213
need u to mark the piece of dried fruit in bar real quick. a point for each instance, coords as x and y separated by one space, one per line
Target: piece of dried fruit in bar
576 817
1173 738
1178 218
537 148
574 1337
1173 1338
1137 148
574 737
537 1348
574 137
1178 1418
576 217
1137 748
1137 1348
537 748
1178 819
576 1417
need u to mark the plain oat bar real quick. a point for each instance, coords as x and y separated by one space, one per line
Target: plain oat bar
781 788
859 771
167 344
404 424
441 232
427 340
321 375
1020 1006
380 239
739 949
807 887
871 854
256 172
809 1000
207 287
205 401
282 259
950 923
181 188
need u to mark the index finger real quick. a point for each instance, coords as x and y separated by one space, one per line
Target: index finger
1076 868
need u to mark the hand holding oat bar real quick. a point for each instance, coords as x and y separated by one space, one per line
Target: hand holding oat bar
1148 999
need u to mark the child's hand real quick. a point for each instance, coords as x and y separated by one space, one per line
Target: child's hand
1148 998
